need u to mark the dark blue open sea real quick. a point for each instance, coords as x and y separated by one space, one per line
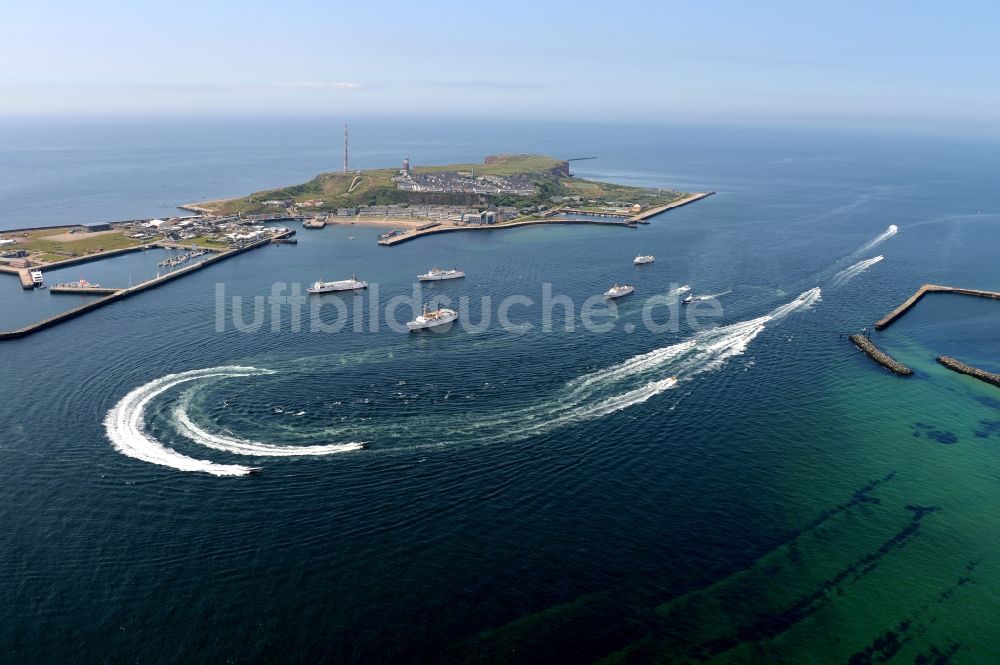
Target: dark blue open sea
493 494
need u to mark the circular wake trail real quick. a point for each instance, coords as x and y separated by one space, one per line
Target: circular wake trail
238 446
592 395
125 427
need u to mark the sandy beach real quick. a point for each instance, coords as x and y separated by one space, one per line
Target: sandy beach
398 222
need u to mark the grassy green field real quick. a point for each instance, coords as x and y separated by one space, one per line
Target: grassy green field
505 165
42 242
207 243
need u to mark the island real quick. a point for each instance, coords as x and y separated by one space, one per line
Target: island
504 191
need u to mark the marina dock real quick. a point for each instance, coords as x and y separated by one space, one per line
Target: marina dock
908 304
975 372
879 356
125 293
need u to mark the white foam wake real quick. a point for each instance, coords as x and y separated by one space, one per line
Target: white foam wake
125 427
703 351
614 388
879 239
849 273
238 446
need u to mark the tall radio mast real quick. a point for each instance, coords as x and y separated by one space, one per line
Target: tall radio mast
345 147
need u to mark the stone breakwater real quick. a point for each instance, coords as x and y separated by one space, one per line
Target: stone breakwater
879 356
975 372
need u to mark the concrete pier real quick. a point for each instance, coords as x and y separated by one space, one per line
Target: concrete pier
908 304
879 356
410 235
975 372
683 201
84 290
24 274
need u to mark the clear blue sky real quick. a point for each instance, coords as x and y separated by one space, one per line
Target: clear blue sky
888 63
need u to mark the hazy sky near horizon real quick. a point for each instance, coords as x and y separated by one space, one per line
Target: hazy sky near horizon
887 63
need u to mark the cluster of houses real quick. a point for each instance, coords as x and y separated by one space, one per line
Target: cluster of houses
464 183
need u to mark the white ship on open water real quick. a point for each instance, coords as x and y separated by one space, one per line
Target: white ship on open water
437 274
644 258
619 290
432 318
352 284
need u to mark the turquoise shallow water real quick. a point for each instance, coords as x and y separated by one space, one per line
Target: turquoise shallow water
523 496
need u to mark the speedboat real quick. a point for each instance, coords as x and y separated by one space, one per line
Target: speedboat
619 290
352 284
436 275
432 318
688 299
644 258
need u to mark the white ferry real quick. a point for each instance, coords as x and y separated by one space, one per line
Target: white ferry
352 284
644 258
36 277
619 290
431 319
437 274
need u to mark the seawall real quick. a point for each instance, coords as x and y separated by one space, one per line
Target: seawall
879 356
975 372
411 235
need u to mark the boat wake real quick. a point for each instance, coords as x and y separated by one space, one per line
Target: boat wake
126 428
879 239
632 381
591 395
849 273
710 296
